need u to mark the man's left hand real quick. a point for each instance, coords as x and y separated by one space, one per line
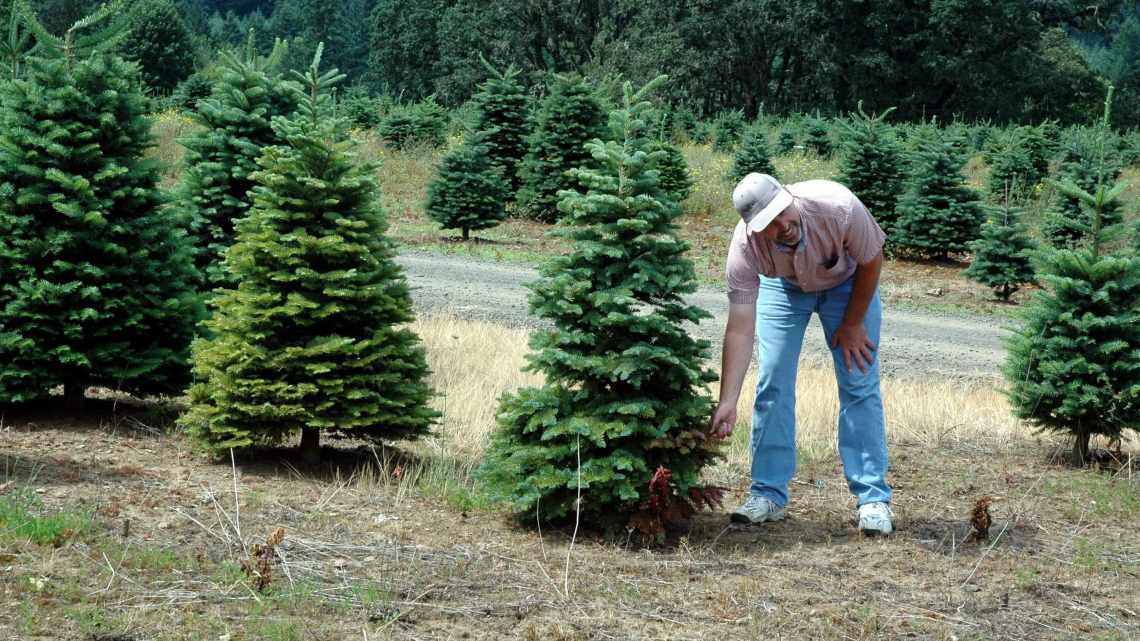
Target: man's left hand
853 340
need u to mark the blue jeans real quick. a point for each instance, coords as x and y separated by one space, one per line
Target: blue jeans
782 314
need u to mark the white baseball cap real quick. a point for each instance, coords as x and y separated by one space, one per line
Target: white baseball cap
758 199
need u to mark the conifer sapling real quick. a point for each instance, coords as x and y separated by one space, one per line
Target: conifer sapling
625 406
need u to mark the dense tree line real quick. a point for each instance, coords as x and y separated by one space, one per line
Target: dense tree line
998 59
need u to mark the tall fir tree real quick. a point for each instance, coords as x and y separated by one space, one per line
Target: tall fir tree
1074 365
872 165
568 118
468 193
313 336
1003 256
625 400
938 213
752 155
98 283
234 129
502 105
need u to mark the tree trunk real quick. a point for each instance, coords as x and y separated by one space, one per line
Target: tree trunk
311 446
1080 453
466 233
74 395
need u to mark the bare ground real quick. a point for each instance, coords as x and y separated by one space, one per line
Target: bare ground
369 552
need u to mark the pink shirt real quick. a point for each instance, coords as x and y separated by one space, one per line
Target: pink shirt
838 235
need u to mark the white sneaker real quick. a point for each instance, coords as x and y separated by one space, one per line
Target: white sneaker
875 518
757 509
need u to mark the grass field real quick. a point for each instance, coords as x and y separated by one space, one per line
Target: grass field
112 528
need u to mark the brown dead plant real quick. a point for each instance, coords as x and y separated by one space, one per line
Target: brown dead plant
980 520
259 566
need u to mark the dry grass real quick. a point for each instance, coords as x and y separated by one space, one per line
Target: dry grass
384 544
473 362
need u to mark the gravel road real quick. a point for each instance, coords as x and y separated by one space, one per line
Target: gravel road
913 344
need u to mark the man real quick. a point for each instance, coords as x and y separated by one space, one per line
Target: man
807 247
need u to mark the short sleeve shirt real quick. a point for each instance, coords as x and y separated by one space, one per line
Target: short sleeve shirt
838 234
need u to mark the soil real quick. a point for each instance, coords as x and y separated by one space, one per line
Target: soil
914 344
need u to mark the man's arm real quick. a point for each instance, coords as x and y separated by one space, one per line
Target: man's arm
851 336
739 336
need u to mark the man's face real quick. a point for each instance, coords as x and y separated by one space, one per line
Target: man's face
784 228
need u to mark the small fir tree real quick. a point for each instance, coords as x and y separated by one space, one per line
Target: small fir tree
423 123
1003 255
1010 165
161 43
1068 221
786 141
728 128
624 405
502 106
312 338
468 191
752 155
871 165
1074 365
684 124
222 153
98 283
675 180
818 137
937 213
568 118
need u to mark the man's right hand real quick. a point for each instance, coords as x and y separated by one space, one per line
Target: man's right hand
723 420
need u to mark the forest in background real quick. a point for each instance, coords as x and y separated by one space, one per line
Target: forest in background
1001 60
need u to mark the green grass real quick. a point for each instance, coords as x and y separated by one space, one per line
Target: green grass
23 518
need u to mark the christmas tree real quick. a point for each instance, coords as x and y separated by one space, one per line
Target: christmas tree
818 137
728 128
871 165
568 118
98 282
1074 365
786 140
468 192
1068 221
752 155
1010 166
222 153
938 213
312 337
1003 255
502 105
625 400
675 181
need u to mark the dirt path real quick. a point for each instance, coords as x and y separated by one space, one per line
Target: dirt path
914 344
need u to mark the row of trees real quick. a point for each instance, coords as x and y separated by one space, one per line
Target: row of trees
1007 59
306 328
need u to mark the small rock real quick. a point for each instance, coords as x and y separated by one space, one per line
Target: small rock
339 563
937 291
164 525
384 518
